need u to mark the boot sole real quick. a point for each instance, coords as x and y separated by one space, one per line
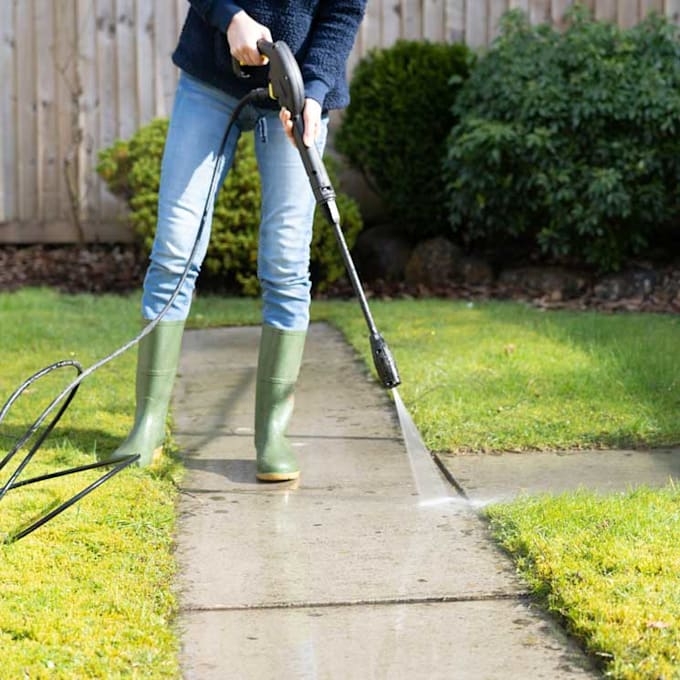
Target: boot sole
277 476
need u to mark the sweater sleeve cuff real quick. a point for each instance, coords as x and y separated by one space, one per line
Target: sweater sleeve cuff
316 89
222 14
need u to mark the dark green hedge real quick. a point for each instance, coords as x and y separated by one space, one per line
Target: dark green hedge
570 141
395 128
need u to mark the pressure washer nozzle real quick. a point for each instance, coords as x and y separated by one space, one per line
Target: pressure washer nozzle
384 362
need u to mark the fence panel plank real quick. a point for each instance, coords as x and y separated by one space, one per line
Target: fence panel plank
26 109
557 10
434 25
126 82
496 10
539 11
68 93
673 9
107 91
412 19
390 21
647 6
455 20
167 25
144 71
370 27
627 13
475 24
520 4
89 109
8 149
48 109
606 9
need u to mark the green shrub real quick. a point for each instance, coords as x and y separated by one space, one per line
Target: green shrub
131 170
569 140
394 130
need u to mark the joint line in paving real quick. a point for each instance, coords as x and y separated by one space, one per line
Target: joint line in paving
449 477
444 599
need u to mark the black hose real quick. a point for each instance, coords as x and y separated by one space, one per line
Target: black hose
65 397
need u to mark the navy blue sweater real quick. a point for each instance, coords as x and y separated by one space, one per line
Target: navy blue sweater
320 33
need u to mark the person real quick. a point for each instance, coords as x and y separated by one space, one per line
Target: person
321 34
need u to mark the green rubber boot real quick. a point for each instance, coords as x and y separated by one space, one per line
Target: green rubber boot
157 361
278 367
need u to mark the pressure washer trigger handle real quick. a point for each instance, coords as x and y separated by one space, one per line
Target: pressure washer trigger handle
265 47
237 67
285 79
246 72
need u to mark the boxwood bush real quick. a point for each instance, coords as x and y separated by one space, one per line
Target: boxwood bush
569 140
131 170
395 127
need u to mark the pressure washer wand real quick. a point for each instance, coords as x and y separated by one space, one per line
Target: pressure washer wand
325 198
286 86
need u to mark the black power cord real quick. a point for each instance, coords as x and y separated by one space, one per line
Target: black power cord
65 397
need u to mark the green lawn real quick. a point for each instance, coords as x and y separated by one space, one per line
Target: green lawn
501 376
609 567
90 594
87 595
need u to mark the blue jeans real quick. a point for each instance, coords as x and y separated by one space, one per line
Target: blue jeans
199 119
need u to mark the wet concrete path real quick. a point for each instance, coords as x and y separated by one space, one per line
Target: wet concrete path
347 574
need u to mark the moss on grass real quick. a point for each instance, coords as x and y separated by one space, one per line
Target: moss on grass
610 567
89 594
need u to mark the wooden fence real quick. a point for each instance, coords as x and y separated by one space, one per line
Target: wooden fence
78 74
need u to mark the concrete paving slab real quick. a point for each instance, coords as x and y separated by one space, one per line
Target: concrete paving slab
387 581
491 478
452 641
355 508
298 549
